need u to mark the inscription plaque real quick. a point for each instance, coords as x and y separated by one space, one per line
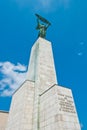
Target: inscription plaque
66 103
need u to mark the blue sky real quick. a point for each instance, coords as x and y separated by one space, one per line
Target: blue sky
68 35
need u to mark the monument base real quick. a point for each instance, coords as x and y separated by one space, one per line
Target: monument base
57 110
21 111
38 105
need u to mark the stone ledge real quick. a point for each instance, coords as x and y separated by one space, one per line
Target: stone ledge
1 111
21 85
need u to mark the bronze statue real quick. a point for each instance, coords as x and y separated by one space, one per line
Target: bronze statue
42 27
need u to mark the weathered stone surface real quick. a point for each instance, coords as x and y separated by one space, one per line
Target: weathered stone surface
42 71
21 111
57 110
41 67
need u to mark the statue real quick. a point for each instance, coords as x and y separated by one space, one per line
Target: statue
42 27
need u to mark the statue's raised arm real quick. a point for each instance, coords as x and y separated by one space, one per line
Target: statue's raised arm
42 25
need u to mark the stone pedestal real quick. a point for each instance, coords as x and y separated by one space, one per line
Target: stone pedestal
21 111
57 110
40 104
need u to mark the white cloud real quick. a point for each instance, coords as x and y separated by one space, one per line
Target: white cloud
81 43
7 92
79 53
43 5
13 76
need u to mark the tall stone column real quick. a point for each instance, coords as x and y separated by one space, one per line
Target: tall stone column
42 71
41 67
